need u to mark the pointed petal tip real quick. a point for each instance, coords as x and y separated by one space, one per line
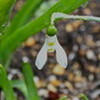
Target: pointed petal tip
38 65
64 65
39 68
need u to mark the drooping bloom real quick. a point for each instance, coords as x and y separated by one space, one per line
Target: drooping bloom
51 44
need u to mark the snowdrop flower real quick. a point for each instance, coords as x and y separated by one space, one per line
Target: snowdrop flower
51 44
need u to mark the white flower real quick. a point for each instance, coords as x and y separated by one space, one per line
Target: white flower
51 44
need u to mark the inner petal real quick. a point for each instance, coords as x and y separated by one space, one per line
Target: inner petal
51 42
51 47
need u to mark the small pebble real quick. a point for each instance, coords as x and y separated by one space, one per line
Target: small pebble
68 85
87 11
75 98
69 28
39 83
51 88
58 70
90 55
43 92
54 81
30 42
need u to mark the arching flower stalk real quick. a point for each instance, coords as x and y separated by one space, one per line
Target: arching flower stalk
51 44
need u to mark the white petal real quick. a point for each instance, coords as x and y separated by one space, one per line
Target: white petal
41 57
61 55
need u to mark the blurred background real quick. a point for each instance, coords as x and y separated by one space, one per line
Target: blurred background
81 41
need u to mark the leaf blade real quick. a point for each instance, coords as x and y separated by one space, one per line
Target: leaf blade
30 85
23 15
6 85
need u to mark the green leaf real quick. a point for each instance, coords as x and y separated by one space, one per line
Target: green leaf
20 84
5 85
20 35
28 77
83 97
5 8
63 98
23 16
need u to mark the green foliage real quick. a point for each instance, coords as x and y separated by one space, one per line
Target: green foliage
83 97
5 9
20 84
30 85
6 85
23 16
26 86
64 98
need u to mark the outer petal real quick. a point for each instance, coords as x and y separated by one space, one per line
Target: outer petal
61 55
41 57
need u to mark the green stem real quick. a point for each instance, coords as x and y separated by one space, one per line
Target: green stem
58 15
30 85
5 85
